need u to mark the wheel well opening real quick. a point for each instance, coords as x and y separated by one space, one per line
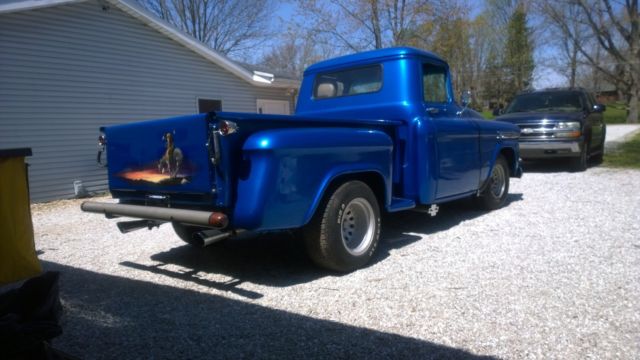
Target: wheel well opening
371 178
509 155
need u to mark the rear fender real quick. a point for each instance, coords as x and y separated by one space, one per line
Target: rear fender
290 169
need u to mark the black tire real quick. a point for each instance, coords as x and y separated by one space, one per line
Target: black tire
599 157
185 232
581 162
345 231
495 192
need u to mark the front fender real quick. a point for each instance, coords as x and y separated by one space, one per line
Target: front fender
509 148
290 168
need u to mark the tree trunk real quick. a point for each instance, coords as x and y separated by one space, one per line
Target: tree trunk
574 66
634 94
632 115
375 22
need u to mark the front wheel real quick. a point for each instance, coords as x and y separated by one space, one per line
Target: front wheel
599 157
495 192
581 162
345 231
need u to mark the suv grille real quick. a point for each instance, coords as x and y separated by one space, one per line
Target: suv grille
538 131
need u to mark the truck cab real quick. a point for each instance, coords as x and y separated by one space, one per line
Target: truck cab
373 132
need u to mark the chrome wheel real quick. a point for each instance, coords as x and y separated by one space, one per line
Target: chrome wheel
498 182
344 232
357 226
495 190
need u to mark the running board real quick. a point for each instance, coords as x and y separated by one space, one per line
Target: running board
399 204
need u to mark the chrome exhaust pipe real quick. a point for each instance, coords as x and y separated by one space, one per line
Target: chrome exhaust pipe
207 237
129 226
194 217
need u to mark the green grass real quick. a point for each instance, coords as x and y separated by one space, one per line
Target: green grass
626 156
616 113
487 114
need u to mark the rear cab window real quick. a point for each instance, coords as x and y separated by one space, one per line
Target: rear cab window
356 81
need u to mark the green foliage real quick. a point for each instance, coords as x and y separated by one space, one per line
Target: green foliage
451 41
518 59
487 114
616 113
626 156
493 79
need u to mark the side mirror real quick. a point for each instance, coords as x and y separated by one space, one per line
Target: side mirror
598 108
465 98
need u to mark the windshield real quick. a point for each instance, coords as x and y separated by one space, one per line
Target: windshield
566 101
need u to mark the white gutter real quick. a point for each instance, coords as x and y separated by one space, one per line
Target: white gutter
24 5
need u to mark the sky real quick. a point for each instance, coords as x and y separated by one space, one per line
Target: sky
544 76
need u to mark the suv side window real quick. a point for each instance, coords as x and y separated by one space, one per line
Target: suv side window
434 83
591 101
586 101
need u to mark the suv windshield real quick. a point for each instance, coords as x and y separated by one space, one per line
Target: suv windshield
563 101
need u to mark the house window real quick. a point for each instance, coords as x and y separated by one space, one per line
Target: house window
209 105
279 107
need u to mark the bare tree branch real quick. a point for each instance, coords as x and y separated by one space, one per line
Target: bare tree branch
227 26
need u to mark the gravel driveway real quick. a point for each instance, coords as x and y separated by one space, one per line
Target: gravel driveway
555 274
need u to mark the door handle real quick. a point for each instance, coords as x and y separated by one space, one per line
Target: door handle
432 110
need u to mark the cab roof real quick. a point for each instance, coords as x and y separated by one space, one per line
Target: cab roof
368 57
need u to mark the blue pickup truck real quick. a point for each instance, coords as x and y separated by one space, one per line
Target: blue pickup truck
373 132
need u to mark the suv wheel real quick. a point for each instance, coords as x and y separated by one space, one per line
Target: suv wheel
580 163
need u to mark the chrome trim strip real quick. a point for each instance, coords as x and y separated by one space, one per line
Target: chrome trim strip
508 135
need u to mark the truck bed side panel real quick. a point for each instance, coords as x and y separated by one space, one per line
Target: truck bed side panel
290 169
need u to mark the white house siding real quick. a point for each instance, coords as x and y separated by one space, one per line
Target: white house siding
66 70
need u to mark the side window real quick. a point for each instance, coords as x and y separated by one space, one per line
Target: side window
591 101
434 83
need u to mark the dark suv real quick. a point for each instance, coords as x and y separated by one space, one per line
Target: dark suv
562 123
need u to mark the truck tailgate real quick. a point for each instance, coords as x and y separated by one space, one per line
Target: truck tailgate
160 156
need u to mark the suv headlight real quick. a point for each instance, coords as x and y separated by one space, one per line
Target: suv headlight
570 125
568 129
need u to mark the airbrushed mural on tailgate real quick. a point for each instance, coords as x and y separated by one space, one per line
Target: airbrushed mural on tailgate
171 169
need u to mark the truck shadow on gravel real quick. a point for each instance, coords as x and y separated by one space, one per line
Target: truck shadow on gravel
279 259
108 317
